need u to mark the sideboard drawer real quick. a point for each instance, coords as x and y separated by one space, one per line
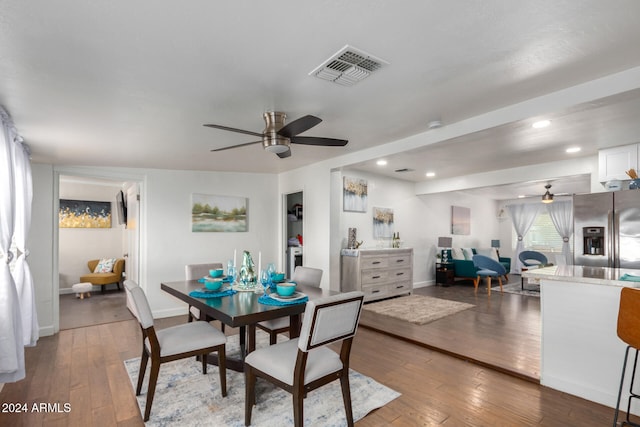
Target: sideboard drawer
374 262
373 276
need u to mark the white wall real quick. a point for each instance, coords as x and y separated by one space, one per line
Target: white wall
78 245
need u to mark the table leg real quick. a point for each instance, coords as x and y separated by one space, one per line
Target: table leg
294 326
251 332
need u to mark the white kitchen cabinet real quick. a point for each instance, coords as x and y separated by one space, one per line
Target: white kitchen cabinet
379 273
613 162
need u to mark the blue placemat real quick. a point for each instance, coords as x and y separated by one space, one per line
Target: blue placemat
267 300
630 278
203 294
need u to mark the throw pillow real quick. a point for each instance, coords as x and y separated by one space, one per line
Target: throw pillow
490 252
468 253
456 253
105 265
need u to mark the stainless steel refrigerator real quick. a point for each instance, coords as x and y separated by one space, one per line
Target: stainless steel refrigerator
606 229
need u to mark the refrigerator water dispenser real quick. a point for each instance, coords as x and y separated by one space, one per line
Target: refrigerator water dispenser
593 240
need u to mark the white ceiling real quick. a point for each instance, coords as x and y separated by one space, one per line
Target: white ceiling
131 83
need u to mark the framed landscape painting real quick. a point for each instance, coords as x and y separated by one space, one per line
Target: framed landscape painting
218 213
460 220
84 214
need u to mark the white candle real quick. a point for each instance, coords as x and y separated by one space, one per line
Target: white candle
259 262
234 258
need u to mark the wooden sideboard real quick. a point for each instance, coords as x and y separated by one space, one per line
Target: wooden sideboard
379 273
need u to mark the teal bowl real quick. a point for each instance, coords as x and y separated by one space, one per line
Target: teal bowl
285 289
213 285
277 277
216 273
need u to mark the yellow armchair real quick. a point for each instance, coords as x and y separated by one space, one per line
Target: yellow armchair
103 279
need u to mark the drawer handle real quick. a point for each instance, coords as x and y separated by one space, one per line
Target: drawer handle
400 274
399 260
375 292
399 286
375 262
375 277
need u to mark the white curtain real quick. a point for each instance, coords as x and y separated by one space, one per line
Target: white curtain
522 216
18 320
561 214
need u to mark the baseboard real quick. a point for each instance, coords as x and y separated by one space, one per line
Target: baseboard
66 291
424 284
46 331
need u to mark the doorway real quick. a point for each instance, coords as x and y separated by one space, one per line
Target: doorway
77 245
294 231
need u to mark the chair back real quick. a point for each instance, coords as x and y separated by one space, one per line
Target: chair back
486 263
307 276
629 317
140 303
198 271
330 319
529 258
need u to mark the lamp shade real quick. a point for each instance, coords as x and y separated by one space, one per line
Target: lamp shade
495 243
445 242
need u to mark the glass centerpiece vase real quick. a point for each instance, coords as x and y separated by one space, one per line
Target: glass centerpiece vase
247 277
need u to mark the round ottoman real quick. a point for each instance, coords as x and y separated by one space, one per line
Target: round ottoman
81 289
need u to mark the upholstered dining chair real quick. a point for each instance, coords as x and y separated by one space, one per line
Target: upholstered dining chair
488 268
195 272
306 363
305 276
176 342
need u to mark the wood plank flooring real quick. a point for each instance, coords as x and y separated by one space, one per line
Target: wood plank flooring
501 331
84 367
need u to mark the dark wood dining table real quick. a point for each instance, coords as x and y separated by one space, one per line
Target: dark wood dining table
242 310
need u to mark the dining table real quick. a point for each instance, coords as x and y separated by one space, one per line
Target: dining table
243 310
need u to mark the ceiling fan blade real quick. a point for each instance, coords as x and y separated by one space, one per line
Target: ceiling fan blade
285 154
247 132
298 126
235 146
313 140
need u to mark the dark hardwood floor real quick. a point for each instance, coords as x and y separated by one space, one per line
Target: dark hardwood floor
83 367
501 331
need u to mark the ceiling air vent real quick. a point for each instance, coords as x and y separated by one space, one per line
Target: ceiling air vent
348 66
404 170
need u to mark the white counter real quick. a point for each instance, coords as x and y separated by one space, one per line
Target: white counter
581 353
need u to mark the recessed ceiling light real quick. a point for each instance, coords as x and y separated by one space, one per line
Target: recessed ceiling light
541 124
521 196
430 174
573 149
381 162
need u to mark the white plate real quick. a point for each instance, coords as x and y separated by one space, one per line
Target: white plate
295 296
211 291
213 279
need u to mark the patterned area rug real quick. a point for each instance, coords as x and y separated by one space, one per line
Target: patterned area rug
530 289
418 309
185 397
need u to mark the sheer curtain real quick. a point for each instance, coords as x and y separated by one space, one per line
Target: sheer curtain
522 216
561 214
18 320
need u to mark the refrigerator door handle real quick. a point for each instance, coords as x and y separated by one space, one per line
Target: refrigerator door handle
610 237
616 238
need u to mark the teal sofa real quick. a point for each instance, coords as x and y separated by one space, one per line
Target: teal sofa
464 268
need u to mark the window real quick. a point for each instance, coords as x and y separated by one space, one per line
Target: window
542 236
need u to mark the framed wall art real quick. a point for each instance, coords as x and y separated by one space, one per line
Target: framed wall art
382 223
84 214
354 194
460 220
211 213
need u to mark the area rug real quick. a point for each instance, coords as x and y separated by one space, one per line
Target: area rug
418 309
530 289
185 397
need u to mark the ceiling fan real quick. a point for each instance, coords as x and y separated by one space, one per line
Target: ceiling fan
277 137
547 197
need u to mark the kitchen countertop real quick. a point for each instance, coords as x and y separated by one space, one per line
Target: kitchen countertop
583 274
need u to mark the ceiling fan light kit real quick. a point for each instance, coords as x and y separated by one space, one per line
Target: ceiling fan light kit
278 137
547 197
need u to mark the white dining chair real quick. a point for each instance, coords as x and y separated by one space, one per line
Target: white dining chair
306 363
195 272
173 343
306 276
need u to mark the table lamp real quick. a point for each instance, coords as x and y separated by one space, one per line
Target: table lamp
496 244
445 243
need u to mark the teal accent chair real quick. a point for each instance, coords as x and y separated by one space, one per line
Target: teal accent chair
488 268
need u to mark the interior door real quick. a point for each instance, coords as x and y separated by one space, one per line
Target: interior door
133 237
